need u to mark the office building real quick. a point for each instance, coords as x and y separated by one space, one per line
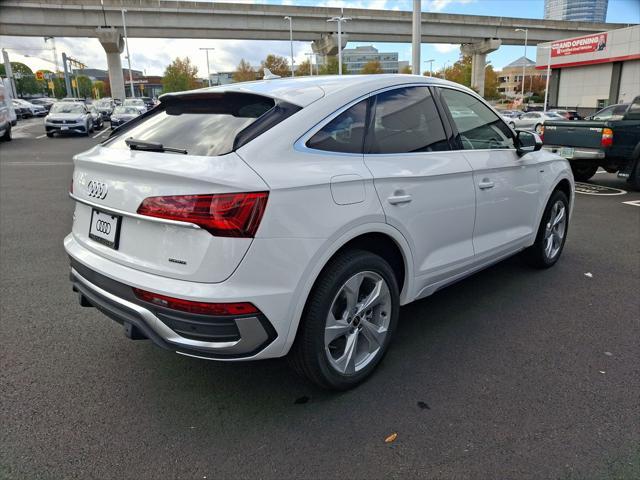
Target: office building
354 59
576 10
510 77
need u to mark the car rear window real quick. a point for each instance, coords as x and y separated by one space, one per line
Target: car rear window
207 124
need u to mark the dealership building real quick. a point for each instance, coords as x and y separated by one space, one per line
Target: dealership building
593 71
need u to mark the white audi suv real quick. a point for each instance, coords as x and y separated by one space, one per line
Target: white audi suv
293 217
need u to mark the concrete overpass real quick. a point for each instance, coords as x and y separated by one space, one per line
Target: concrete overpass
184 19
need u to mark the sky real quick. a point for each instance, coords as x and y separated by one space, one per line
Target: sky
153 55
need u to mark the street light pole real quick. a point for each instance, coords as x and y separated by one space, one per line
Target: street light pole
416 36
430 62
208 69
126 39
310 55
524 62
339 21
290 40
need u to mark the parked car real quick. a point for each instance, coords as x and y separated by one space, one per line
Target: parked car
68 117
273 218
74 99
148 102
567 114
135 103
44 102
122 115
98 123
21 110
34 110
610 139
511 113
534 121
105 106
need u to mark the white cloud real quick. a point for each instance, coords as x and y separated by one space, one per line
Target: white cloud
439 5
446 47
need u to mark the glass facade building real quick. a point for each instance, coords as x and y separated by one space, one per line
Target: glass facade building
576 10
355 59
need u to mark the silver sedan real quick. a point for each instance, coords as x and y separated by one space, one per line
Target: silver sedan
533 120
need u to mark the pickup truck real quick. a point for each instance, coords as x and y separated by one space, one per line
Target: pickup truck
609 139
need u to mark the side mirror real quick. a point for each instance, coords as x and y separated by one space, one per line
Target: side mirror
527 142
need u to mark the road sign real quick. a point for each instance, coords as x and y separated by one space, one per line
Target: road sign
40 75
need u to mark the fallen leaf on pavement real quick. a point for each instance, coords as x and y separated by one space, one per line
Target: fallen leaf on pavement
391 438
588 274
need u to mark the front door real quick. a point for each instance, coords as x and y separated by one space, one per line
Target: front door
426 190
507 185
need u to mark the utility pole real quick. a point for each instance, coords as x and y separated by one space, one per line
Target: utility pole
416 37
430 62
206 49
291 40
546 88
310 55
67 81
339 21
126 39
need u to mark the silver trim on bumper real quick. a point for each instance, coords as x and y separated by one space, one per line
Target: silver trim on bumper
252 334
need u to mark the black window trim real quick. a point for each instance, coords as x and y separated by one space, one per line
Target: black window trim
455 128
301 143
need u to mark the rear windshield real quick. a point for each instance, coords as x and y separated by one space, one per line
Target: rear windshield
205 124
67 107
126 111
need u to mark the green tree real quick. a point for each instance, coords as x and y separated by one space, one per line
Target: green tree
406 69
85 87
371 67
304 68
179 76
100 86
26 83
244 72
331 67
277 65
491 84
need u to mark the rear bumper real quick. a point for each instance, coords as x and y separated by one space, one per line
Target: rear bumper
189 334
579 153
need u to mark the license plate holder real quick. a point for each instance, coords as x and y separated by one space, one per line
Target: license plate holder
105 228
566 152
64 128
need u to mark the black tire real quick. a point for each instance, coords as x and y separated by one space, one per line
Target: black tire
583 171
308 356
7 135
512 125
50 134
634 178
538 128
535 255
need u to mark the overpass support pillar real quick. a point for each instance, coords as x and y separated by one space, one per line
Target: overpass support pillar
478 52
113 44
327 46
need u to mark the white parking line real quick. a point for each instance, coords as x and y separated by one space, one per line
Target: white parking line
33 164
635 203
100 133
42 136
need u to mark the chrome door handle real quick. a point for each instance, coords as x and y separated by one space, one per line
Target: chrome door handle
398 199
485 184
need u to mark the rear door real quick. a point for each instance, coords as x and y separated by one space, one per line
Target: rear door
426 190
507 186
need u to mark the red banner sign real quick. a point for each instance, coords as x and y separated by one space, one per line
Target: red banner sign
574 46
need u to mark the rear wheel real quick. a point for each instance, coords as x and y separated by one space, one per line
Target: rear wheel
512 125
552 233
583 171
348 321
7 134
538 129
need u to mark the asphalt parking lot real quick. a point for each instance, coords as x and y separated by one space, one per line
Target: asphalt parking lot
511 373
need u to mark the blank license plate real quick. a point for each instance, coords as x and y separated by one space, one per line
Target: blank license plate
566 152
105 228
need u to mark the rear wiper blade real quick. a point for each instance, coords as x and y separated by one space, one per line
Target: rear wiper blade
151 147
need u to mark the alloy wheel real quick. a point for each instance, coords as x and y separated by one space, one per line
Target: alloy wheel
358 322
555 230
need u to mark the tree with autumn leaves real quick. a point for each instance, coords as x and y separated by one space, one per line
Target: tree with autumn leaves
460 72
180 75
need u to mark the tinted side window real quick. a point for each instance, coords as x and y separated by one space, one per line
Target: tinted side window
604 114
406 120
345 133
634 110
478 127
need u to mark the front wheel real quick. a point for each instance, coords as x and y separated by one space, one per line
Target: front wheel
7 134
552 233
583 171
538 129
348 321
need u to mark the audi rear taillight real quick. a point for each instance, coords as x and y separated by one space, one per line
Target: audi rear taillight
223 215
607 137
200 308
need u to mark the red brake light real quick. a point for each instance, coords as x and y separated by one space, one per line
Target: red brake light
201 308
607 137
223 215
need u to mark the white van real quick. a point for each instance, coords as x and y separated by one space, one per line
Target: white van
7 113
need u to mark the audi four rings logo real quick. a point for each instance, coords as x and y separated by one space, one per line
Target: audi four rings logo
97 189
103 227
